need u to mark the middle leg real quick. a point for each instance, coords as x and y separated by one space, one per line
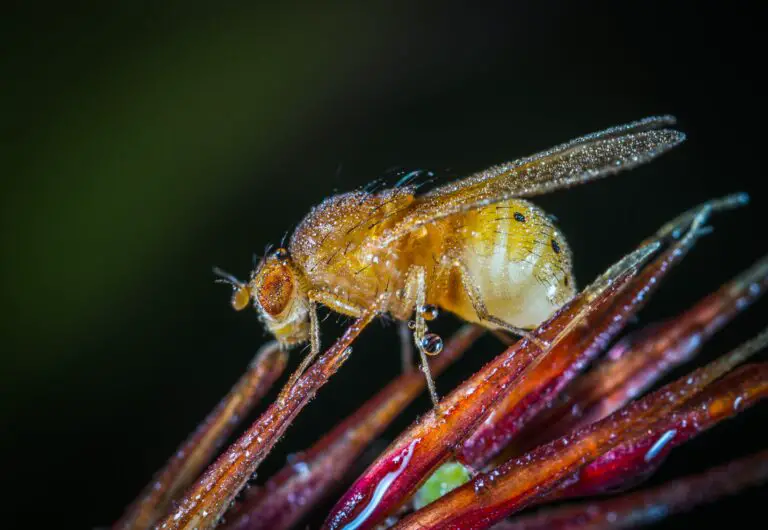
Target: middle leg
416 298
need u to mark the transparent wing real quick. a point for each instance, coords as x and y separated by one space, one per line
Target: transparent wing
581 160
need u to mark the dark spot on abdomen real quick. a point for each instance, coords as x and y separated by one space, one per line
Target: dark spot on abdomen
555 246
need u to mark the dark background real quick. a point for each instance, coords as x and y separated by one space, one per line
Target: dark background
144 143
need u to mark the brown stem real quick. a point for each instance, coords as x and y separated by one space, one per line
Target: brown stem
206 501
296 489
492 496
198 450
636 363
652 505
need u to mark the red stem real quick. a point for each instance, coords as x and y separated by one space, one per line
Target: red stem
206 501
650 506
198 450
294 490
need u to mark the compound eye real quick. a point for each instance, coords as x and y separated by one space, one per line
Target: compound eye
240 298
275 290
281 254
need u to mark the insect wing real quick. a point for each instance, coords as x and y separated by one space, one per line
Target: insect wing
581 160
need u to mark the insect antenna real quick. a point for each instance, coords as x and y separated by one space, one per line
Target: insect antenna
225 277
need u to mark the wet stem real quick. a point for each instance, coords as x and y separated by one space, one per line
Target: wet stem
551 432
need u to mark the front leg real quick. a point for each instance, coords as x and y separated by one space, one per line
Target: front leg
333 302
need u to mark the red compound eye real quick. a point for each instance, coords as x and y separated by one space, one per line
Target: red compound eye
275 290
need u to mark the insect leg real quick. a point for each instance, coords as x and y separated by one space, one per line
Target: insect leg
314 349
416 297
406 347
337 303
482 311
329 300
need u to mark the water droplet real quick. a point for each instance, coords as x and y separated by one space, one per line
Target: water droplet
381 489
429 312
479 484
302 468
281 254
657 447
432 344
411 324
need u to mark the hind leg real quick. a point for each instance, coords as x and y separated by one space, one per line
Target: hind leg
476 299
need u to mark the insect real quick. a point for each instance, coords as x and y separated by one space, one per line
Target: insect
473 247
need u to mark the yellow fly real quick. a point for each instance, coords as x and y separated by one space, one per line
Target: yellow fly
473 247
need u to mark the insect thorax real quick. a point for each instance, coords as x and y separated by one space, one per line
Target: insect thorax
335 244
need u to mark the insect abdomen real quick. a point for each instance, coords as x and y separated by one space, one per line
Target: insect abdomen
517 260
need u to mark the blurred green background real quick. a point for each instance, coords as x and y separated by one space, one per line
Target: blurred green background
144 142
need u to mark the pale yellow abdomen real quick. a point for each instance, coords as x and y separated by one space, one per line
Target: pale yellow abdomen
517 260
